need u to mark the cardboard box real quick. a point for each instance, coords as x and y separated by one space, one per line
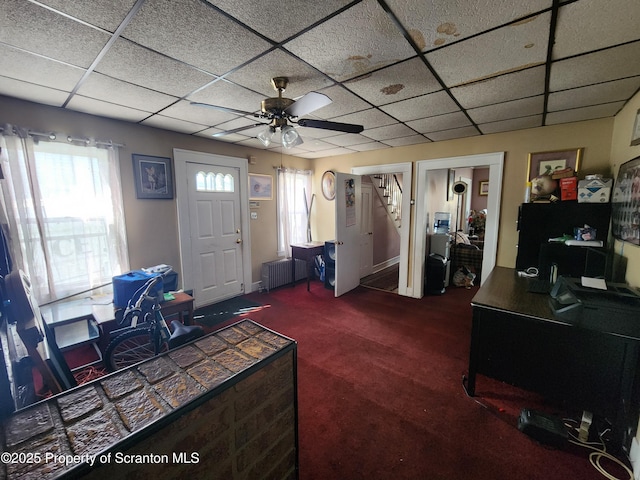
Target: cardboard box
568 188
594 189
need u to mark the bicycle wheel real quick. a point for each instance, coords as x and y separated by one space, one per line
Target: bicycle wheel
130 348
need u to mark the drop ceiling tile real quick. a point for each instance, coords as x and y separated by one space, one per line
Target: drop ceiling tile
602 66
388 132
257 75
194 33
584 113
160 121
239 122
419 107
590 25
452 134
140 66
369 118
504 50
32 93
512 124
403 141
231 138
440 122
594 94
279 20
368 147
106 109
342 102
504 111
39 30
38 70
327 153
434 24
227 94
183 110
313 144
359 40
111 90
348 140
404 80
108 15
524 83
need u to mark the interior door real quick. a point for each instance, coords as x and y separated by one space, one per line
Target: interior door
348 227
216 235
366 231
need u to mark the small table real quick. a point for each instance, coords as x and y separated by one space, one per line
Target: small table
181 304
307 252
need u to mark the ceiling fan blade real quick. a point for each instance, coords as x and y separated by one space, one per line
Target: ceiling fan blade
224 109
236 130
307 103
340 127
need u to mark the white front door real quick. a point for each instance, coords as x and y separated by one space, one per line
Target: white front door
348 197
366 231
216 233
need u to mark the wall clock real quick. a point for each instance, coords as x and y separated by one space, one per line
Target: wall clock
329 185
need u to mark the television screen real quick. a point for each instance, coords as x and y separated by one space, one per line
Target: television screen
625 203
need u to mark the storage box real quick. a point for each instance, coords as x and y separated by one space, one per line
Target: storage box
568 188
125 286
594 189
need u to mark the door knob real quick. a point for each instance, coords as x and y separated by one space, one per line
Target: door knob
239 240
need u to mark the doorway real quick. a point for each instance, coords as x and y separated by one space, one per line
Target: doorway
494 161
212 201
405 169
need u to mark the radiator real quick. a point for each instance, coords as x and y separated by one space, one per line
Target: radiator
278 273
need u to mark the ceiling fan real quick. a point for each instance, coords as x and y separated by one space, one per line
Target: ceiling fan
281 112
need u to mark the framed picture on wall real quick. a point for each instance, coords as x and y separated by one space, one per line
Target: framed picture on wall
260 187
546 163
153 176
483 187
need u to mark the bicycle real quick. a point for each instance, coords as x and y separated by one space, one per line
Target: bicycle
148 334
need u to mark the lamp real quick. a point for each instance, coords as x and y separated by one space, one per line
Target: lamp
290 137
266 135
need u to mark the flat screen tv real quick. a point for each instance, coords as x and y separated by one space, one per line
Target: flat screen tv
625 203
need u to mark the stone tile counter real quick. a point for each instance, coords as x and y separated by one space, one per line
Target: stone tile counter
223 406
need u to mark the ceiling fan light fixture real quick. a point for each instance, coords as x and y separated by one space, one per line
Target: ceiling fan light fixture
266 135
290 137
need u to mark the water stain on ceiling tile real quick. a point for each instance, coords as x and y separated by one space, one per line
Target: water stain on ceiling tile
418 38
392 89
446 28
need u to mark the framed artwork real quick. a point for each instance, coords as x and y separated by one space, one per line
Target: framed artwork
329 185
260 187
625 203
635 135
153 176
483 187
546 163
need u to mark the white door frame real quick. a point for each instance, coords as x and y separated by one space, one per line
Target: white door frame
180 159
406 170
495 162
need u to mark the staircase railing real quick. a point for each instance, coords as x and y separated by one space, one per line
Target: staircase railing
390 192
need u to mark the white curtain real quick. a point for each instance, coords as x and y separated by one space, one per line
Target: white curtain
294 196
63 205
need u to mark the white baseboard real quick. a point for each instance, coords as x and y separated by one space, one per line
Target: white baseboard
387 263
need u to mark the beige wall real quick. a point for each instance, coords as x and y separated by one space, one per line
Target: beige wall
152 224
594 136
152 228
621 152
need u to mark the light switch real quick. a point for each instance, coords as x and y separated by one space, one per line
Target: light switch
254 215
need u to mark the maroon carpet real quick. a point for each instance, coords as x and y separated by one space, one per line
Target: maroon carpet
381 397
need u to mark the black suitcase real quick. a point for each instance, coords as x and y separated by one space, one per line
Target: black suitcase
435 273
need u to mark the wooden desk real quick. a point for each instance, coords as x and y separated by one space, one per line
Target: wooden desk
516 339
306 252
182 304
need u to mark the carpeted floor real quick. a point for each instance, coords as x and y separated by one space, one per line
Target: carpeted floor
386 279
380 392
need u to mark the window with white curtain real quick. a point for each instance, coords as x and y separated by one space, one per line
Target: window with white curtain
294 194
63 206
